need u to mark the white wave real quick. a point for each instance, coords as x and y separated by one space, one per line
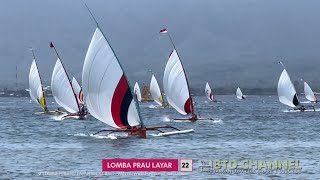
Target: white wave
165 119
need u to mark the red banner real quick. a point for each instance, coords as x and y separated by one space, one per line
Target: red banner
154 165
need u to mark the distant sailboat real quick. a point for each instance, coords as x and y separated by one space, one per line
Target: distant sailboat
309 93
208 92
175 85
239 94
286 92
155 91
107 91
63 91
35 85
137 91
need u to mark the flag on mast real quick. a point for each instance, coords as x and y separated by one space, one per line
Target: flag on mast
51 45
163 30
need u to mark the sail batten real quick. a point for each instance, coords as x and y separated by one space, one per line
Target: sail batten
155 91
286 92
106 89
35 86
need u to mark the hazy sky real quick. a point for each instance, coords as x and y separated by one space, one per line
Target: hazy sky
226 42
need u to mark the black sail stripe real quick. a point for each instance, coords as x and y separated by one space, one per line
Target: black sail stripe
126 101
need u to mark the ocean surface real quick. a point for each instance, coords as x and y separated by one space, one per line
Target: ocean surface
257 128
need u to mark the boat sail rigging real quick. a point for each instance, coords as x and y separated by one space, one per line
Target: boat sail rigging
208 92
286 92
62 89
175 84
107 92
35 85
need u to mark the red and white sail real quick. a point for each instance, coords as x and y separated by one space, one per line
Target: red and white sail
62 89
175 85
208 92
106 89
78 90
137 91
35 86
155 91
286 91
309 93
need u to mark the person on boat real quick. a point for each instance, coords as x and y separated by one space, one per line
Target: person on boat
302 108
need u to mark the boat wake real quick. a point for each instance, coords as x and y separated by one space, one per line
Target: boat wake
152 106
307 110
172 133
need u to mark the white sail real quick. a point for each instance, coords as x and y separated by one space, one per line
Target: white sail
208 92
105 87
239 93
137 91
62 90
286 91
175 85
78 90
309 93
35 86
155 91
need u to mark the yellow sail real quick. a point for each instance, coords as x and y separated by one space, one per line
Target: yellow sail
42 102
161 99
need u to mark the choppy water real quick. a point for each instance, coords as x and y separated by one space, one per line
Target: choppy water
256 128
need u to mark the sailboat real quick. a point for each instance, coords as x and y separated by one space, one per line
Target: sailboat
35 85
108 94
155 91
239 94
286 92
209 93
63 90
137 91
176 86
309 93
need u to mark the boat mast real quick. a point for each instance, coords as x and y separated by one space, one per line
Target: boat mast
75 96
192 107
130 88
34 57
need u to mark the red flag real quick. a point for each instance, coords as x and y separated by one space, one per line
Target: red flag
163 30
51 45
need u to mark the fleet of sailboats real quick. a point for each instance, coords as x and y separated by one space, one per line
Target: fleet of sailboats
107 93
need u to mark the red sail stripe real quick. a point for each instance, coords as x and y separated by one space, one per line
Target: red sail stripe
117 98
187 105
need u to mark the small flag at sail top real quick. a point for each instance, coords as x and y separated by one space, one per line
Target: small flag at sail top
51 45
163 30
